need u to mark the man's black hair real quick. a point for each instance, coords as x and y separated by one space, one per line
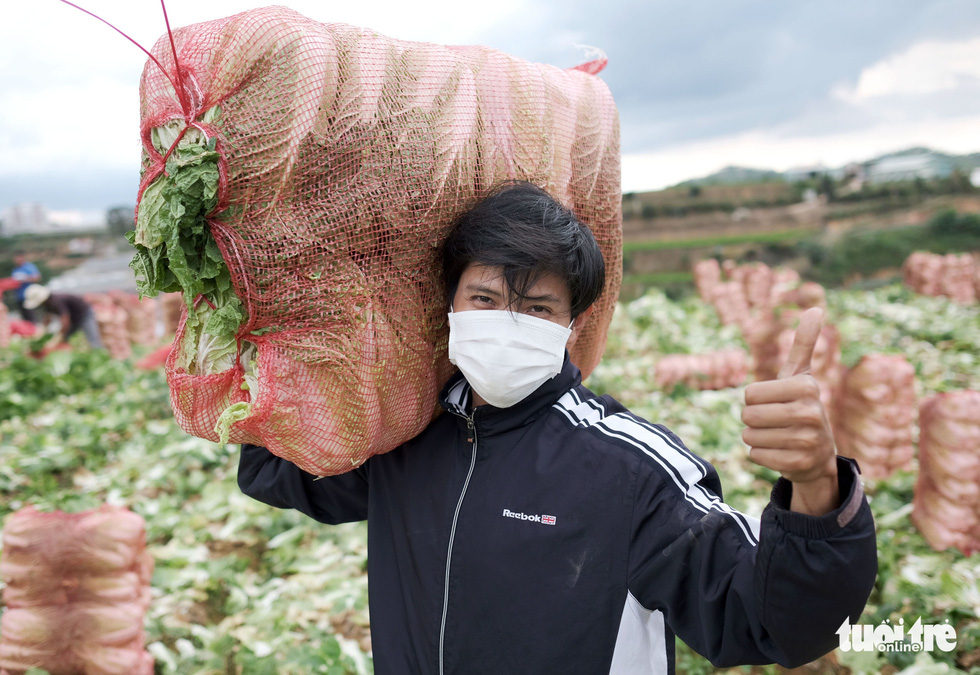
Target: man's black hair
528 233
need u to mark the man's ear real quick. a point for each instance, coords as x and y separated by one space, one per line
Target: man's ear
580 322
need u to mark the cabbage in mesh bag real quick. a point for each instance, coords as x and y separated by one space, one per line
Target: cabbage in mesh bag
299 179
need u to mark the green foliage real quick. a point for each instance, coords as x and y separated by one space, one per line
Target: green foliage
29 383
756 238
909 192
676 285
868 251
948 224
827 186
936 335
174 247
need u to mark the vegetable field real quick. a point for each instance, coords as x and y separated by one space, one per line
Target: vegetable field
244 588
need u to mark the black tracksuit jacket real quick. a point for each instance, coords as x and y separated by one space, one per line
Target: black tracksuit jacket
566 535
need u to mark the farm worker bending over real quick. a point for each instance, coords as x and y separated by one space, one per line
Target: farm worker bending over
26 273
75 314
537 528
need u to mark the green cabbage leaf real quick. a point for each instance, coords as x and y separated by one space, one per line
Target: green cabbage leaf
176 252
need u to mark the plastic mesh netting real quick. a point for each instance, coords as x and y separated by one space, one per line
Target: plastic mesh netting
343 158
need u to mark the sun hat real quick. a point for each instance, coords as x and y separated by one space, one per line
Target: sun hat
35 295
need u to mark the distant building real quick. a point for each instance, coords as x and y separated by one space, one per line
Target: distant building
975 177
802 173
30 218
22 218
908 167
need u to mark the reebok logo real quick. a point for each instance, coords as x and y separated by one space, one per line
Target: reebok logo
544 520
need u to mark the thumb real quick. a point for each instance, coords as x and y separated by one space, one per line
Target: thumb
806 336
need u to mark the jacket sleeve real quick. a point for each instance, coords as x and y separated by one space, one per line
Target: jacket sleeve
278 482
738 598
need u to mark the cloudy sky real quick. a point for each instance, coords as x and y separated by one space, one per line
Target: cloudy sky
700 84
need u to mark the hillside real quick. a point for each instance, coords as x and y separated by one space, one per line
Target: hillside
735 175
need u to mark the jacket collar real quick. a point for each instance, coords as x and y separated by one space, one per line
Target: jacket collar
456 398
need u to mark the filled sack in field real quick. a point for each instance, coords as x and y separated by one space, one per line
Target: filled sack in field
713 370
76 589
299 180
947 491
951 275
141 316
876 411
112 321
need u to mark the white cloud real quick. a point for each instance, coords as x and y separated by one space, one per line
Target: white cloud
69 84
61 33
89 124
925 68
897 102
68 96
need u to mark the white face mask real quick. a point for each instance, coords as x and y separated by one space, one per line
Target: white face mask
504 355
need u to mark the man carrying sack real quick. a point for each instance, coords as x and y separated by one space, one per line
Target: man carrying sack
535 527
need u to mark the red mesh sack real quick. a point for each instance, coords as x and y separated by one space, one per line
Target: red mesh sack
76 589
875 413
141 316
343 156
713 370
111 319
947 490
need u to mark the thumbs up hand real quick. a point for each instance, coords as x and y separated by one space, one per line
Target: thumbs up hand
787 428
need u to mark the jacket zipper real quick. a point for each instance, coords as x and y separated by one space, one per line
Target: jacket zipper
471 426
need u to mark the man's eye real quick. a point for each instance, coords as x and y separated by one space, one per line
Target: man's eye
539 309
482 298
